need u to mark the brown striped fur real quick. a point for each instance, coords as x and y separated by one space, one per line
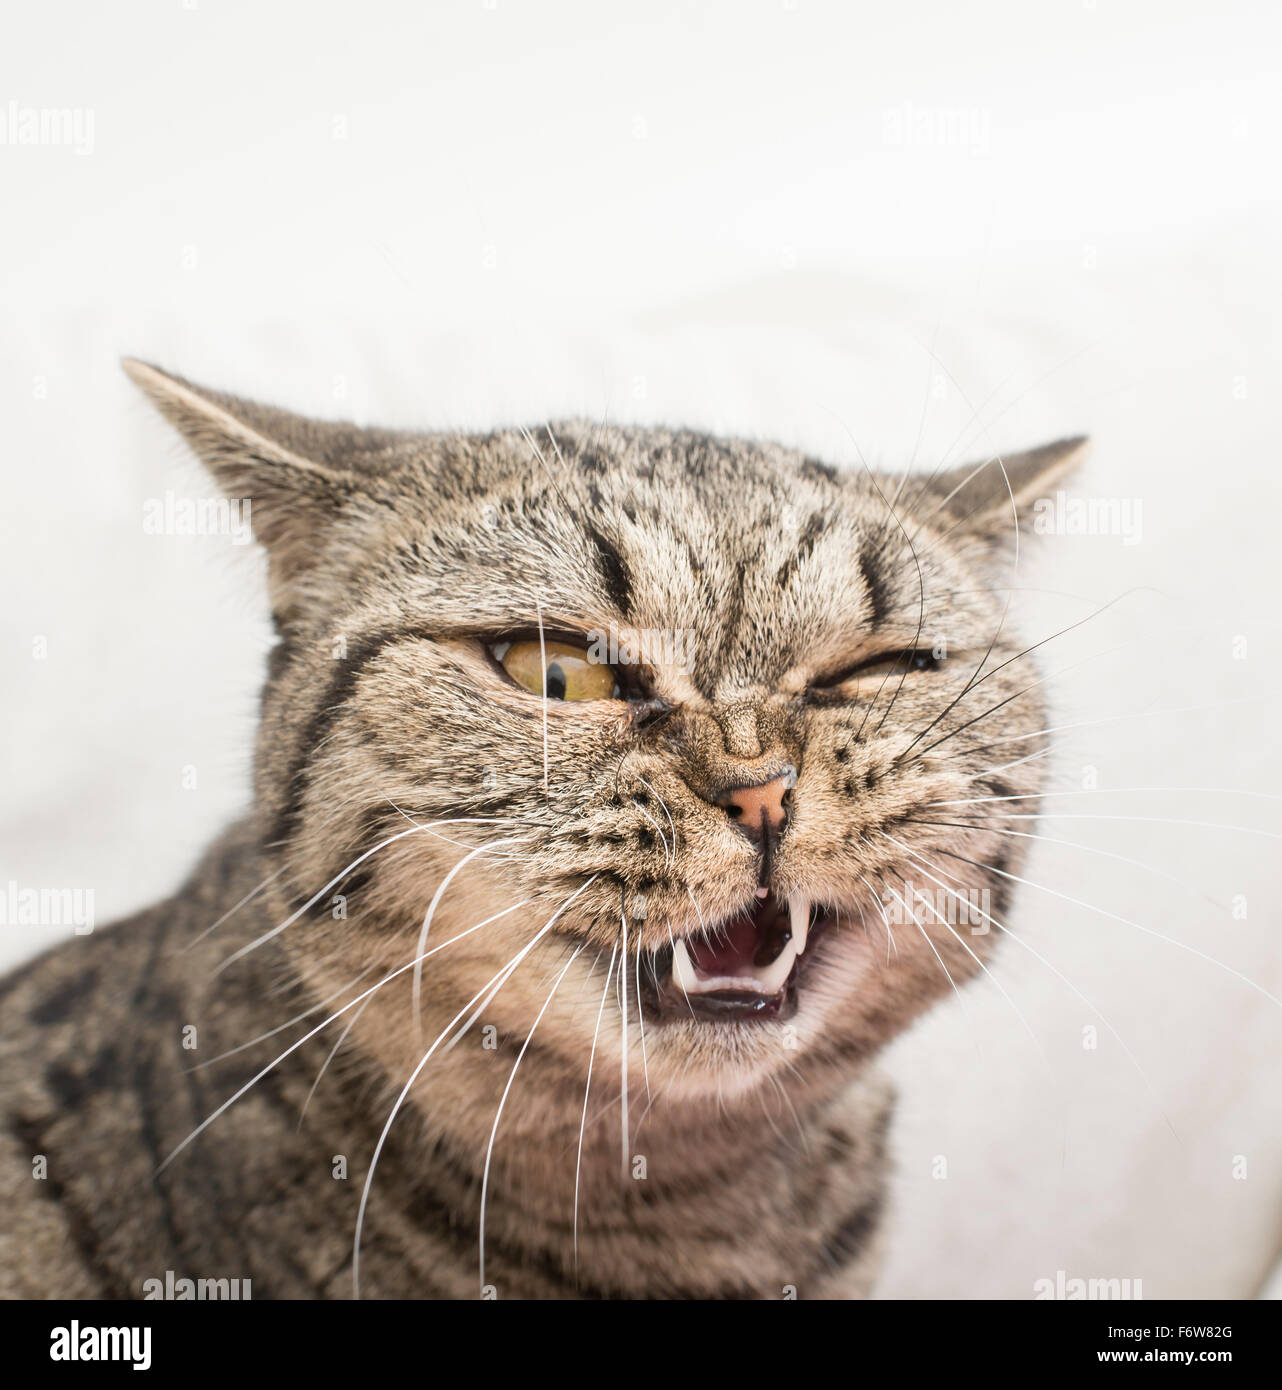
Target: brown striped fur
391 556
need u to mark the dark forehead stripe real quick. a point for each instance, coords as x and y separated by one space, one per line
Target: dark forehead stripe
614 571
817 470
816 525
337 693
870 567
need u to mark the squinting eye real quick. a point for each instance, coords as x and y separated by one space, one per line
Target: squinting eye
557 670
906 662
881 667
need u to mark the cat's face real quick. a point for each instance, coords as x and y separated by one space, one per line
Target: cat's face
735 830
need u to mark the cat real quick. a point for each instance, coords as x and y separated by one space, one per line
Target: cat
605 826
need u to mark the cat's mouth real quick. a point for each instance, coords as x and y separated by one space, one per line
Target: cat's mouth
744 968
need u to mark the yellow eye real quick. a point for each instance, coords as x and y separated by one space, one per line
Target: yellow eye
557 670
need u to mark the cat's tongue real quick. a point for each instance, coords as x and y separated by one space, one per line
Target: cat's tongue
752 953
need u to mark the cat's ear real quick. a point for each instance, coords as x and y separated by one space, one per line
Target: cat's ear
983 498
286 468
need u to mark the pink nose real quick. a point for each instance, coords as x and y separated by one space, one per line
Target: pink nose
762 810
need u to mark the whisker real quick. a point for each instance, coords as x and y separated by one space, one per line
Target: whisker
543 659
462 820
1005 767
623 1041
984 429
497 981
498 1114
231 911
1115 718
877 903
1100 791
416 991
645 1061
1142 820
485 1003
316 897
1005 930
587 1090
962 943
664 807
921 421
1072 844
280 1027
333 1052
293 1047
974 684
663 839
1126 921
975 678
926 937
787 1100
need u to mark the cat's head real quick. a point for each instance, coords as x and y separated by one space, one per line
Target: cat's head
775 692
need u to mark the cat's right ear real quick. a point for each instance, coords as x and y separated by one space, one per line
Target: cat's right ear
988 498
280 466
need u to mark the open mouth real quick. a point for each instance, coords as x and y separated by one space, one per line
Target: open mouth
741 969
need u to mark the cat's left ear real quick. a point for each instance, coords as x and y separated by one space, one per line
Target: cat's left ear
296 474
984 498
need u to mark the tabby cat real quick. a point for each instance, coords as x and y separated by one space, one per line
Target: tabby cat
595 851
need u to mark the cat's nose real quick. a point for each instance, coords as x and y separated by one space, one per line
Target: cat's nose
761 809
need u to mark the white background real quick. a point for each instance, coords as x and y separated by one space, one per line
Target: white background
891 231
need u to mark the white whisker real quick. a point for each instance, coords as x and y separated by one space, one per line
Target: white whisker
962 943
492 985
587 1090
293 1047
231 911
1006 931
664 807
645 1061
280 1027
1125 921
623 1042
317 896
543 662
416 991
1143 820
1102 791
498 1114
333 1052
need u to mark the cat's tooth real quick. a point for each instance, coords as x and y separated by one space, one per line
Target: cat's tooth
799 915
683 971
772 978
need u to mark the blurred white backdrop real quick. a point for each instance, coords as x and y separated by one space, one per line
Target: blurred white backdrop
883 231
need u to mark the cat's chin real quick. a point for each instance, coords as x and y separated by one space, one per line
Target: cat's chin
748 968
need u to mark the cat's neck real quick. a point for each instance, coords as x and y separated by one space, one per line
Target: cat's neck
704 1205
775 1190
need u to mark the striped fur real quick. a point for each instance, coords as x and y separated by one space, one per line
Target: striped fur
755 1153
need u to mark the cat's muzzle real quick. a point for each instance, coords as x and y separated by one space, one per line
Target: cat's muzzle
742 969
